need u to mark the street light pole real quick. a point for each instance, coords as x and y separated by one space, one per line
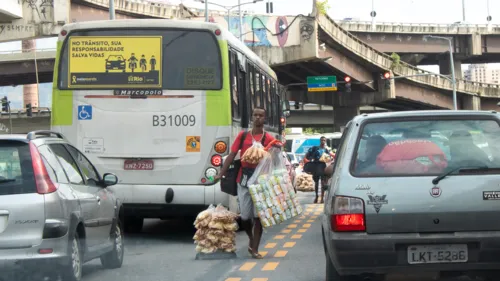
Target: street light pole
241 21
488 18
229 9
463 10
206 11
37 81
111 9
373 15
452 65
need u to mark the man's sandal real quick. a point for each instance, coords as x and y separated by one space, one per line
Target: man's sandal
254 255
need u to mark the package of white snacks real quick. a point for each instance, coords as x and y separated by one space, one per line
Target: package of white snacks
272 190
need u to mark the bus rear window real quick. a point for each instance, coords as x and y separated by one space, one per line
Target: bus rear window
141 58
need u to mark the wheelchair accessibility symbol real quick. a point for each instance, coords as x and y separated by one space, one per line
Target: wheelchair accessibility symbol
84 112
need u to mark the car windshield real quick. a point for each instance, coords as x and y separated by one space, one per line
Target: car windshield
426 147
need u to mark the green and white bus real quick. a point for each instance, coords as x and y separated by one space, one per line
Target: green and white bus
158 103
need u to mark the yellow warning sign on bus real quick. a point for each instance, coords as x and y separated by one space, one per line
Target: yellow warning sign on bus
115 61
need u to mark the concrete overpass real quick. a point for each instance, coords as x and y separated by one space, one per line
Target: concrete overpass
24 124
32 19
294 47
471 43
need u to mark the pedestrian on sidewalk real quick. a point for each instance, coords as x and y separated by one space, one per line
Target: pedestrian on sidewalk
250 221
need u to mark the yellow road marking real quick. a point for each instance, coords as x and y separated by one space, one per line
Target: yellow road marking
303 230
263 254
317 213
292 225
297 221
280 254
314 217
310 220
286 231
270 266
233 279
270 245
297 236
279 236
247 266
259 279
289 245
306 225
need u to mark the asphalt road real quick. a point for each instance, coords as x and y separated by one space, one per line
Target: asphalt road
292 251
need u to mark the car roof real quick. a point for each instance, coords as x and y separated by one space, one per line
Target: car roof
423 113
16 137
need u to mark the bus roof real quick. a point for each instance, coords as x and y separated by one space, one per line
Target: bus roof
162 23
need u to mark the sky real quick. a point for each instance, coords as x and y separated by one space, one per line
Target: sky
400 11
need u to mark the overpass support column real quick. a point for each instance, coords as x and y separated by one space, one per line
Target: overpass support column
342 115
445 69
470 102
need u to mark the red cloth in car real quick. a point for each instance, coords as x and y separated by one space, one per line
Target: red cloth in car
413 156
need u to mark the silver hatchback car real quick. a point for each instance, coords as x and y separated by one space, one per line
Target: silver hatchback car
55 210
415 194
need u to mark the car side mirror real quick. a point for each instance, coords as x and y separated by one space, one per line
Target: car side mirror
109 179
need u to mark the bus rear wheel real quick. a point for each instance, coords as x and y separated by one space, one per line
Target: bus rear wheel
133 224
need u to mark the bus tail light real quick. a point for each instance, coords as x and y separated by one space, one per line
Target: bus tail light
210 173
220 147
217 32
64 32
348 214
216 160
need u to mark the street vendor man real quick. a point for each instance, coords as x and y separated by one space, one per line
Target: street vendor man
250 221
315 154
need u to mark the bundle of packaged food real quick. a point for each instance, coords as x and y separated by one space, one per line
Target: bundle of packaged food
304 182
216 230
254 154
326 158
272 190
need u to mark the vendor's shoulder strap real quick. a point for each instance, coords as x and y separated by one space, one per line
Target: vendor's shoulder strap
263 141
243 137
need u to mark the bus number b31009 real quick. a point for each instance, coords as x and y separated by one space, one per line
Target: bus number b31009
174 120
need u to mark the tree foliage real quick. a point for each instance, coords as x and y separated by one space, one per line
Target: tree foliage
312 131
322 6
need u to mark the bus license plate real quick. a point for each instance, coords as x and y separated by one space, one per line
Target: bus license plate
419 254
138 165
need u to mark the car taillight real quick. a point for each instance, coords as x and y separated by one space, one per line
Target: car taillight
348 214
216 160
43 182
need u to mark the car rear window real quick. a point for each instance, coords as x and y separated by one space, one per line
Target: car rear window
425 147
16 168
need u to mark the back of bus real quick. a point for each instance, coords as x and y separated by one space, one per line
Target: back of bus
145 99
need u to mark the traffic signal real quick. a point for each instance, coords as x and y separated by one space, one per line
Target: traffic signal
347 80
387 78
29 110
269 7
5 104
282 124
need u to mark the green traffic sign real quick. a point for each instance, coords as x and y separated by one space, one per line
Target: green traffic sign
321 83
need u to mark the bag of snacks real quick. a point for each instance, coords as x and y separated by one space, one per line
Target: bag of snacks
216 230
272 190
254 154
